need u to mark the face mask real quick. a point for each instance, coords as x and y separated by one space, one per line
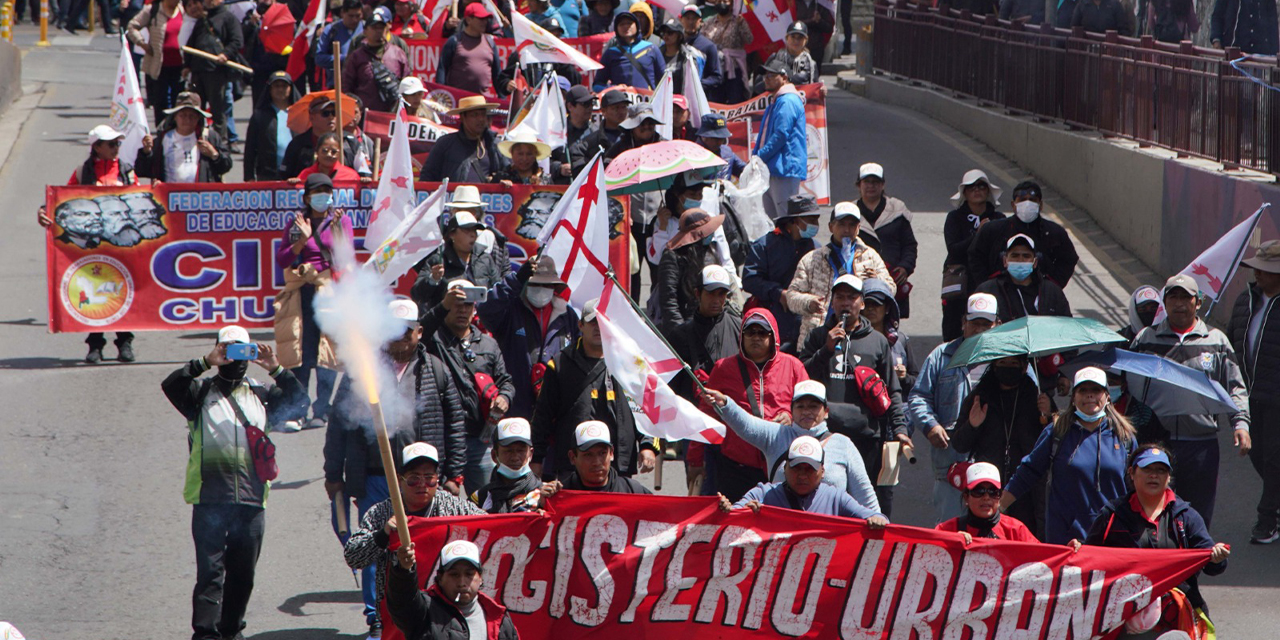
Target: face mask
1115 393
690 203
1027 210
512 474
708 240
1007 376
724 9
809 231
1147 319
1021 270
1091 417
321 201
539 297
233 371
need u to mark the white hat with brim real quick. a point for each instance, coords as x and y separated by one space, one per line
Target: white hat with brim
411 85
233 333
180 107
404 310
514 430
809 389
418 451
523 136
844 210
805 450
715 276
103 132
464 219
848 280
982 306
972 177
979 473
1090 374
466 196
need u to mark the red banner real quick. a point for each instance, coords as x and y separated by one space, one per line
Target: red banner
198 256
648 566
424 53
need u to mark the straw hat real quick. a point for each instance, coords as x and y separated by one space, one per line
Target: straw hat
522 135
471 103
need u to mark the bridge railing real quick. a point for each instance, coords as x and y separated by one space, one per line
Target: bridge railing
1190 100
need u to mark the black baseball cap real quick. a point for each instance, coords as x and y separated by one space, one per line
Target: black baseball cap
579 94
616 96
798 27
774 66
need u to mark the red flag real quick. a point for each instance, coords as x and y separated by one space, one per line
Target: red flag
311 21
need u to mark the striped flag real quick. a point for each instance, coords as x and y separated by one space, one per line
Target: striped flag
311 22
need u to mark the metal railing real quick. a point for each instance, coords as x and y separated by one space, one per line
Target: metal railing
1176 96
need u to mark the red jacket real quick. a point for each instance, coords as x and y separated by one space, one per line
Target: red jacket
1007 529
774 383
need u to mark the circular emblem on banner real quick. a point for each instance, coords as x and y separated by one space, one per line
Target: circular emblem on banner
442 98
97 290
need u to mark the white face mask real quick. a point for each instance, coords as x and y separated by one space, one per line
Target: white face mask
539 297
512 474
1027 210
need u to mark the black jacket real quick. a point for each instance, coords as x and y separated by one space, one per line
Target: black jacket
575 389
350 445
218 33
771 264
959 230
616 484
1040 298
862 346
895 241
455 157
1248 24
1265 360
301 153
496 496
1057 254
484 270
260 148
485 357
1010 430
701 341
1106 15
428 615
152 165
593 142
678 273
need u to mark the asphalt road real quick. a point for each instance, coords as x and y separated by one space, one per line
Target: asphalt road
94 534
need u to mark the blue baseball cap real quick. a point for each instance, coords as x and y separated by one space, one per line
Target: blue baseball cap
1151 456
713 126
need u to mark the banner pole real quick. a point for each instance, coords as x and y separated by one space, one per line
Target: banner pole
389 468
337 89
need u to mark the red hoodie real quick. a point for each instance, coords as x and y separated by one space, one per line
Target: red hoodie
774 383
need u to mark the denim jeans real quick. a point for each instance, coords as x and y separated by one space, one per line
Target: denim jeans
480 464
375 491
946 498
232 136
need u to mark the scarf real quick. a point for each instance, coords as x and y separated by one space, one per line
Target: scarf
983 526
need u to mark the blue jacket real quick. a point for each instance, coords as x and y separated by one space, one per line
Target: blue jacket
771 264
843 465
827 500
618 68
733 164
334 32
939 391
782 141
520 336
710 67
570 14
1087 471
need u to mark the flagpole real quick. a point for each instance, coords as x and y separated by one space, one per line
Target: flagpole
1235 263
337 89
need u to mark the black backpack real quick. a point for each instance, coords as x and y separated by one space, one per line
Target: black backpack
388 85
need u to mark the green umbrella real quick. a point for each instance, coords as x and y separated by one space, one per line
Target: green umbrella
1033 336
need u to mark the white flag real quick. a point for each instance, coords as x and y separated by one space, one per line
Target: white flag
576 235
128 113
416 236
395 194
658 411
546 119
546 47
616 304
693 93
663 106
1214 268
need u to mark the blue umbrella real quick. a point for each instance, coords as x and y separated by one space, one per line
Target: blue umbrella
1169 388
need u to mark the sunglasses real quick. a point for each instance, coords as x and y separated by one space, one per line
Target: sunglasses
111 143
756 333
329 113
985 492
417 480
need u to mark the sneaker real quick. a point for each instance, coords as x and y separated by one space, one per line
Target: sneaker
126 352
1264 533
288 426
316 423
94 356
375 631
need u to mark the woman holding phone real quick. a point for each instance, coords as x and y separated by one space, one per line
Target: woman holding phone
306 257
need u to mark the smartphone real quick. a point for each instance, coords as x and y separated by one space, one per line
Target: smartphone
242 351
475 294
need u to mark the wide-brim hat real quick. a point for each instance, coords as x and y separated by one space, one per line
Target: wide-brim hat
545 272
695 224
471 103
1266 258
465 196
972 177
520 135
187 100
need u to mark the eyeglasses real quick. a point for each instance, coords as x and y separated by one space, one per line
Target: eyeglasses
329 152
111 143
985 492
329 113
419 479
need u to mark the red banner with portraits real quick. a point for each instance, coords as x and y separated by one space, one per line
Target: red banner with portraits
637 566
199 256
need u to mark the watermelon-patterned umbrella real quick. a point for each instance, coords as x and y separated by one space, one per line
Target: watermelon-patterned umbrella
654 167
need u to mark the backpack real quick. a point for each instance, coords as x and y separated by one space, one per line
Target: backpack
872 390
388 85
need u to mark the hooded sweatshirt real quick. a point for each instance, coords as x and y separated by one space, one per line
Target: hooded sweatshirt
898 340
861 347
1135 325
771 387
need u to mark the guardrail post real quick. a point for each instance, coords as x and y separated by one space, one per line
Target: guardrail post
6 21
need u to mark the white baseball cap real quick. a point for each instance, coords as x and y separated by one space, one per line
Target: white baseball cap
870 169
850 280
845 209
589 310
980 472
514 430
411 85
811 389
460 550
982 306
715 276
592 433
418 450
1090 374
103 132
454 284
805 450
464 219
1020 237
404 310
233 333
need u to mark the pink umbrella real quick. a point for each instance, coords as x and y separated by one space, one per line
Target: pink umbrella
654 167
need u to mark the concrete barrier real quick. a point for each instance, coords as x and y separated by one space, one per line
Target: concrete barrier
10 74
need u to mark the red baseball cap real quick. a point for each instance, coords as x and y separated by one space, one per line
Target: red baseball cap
477 10
680 101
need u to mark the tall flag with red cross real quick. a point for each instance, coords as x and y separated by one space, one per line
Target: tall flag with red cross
395 196
312 21
128 112
642 374
410 241
577 235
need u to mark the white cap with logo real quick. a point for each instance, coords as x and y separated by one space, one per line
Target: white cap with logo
1090 374
591 433
809 389
418 450
982 306
715 276
848 280
980 472
460 550
233 333
514 430
844 209
404 310
870 169
805 450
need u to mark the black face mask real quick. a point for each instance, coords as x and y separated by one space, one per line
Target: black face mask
233 371
1007 376
724 9
1146 318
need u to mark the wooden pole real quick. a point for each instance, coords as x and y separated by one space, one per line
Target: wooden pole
377 158
389 468
337 88
209 56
